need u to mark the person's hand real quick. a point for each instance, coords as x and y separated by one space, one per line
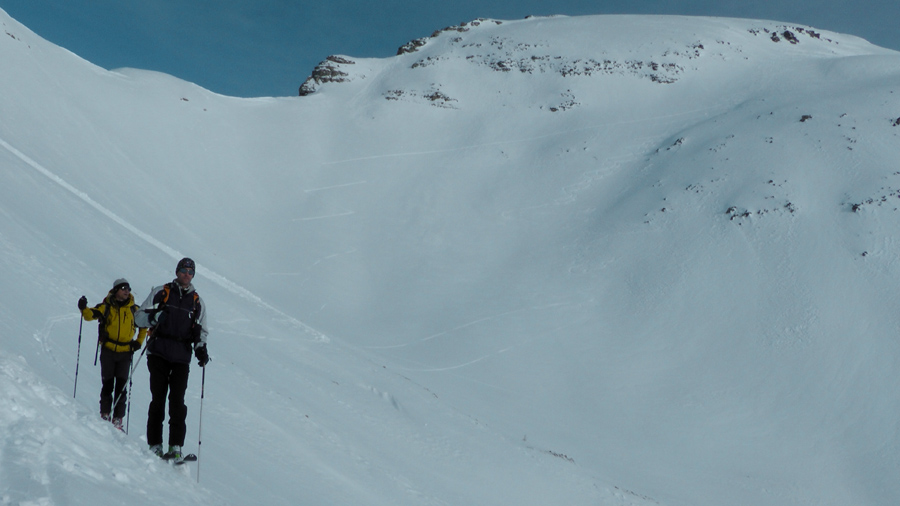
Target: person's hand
202 355
82 303
154 313
135 346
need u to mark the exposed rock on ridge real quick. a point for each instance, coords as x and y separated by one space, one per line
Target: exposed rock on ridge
328 71
650 55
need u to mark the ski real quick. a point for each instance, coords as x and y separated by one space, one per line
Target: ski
190 457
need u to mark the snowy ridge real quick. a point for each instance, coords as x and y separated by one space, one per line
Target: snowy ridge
616 260
643 47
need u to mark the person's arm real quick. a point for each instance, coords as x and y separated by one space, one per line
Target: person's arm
145 317
201 322
142 334
92 313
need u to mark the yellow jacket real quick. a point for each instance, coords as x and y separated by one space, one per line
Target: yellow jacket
117 322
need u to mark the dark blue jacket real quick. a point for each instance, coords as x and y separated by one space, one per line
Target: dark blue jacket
177 324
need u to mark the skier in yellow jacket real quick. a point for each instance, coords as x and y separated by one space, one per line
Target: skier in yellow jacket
117 327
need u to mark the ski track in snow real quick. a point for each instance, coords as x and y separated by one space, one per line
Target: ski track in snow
466 325
446 332
485 357
317 262
313 190
43 337
326 217
470 324
677 118
171 252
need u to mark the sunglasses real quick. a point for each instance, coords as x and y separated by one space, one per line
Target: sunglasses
189 272
125 287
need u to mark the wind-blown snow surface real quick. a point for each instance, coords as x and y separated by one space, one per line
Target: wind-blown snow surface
601 260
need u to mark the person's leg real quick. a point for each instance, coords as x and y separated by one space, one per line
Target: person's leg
159 386
178 382
107 378
122 368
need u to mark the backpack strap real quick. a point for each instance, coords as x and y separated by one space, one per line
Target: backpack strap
167 289
102 333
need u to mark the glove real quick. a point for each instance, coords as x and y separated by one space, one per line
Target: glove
82 303
154 313
135 346
202 355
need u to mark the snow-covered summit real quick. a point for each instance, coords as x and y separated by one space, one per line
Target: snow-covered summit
662 49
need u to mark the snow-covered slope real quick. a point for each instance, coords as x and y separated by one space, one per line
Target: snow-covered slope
597 260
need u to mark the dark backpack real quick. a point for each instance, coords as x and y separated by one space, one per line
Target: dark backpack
102 318
164 305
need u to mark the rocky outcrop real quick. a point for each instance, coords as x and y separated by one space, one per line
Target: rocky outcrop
328 71
784 32
414 45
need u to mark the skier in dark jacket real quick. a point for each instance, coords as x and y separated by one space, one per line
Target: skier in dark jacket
117 325
176 316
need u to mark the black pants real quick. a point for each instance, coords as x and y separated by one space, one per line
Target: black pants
167 378
114 369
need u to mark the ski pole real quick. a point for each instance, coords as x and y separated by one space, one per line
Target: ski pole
97 353
78 354
200 430
128 398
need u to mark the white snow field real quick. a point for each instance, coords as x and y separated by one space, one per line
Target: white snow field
606 260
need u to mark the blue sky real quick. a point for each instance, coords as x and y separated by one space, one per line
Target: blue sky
268 47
